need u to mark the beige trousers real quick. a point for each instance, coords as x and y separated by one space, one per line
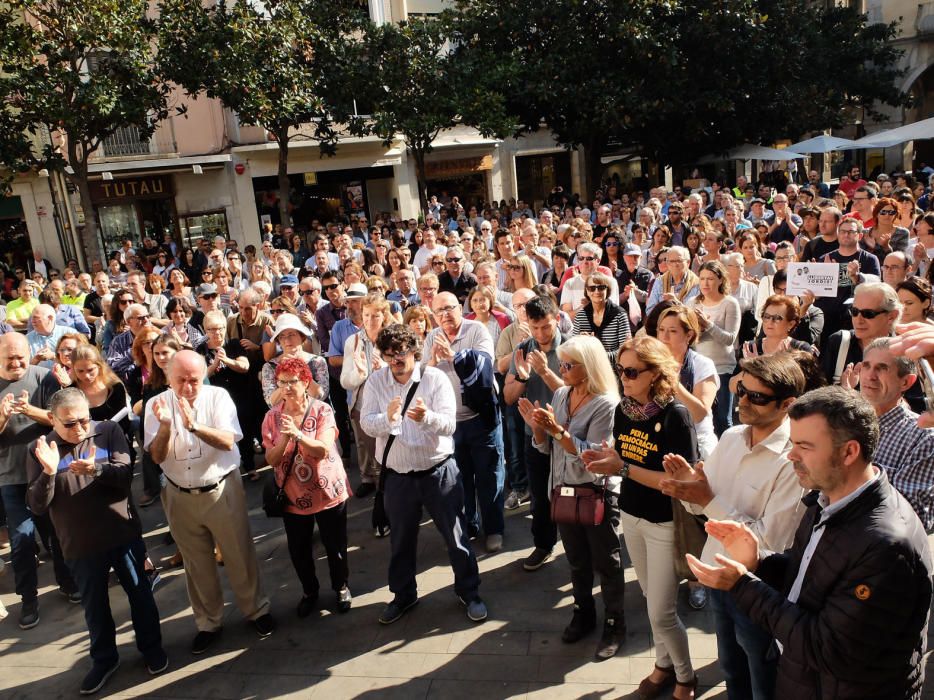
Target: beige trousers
198 522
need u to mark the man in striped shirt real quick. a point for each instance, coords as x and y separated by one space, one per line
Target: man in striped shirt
905 451
419 468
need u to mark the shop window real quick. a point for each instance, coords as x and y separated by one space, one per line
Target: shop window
203 225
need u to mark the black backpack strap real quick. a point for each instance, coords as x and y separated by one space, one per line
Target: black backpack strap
392 438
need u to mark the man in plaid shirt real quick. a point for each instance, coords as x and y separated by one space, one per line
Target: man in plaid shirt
905 451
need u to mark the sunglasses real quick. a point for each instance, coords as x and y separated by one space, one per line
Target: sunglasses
309 292
437 262
756 398
454 260
276 312
631 372
83 422
612 244
567 366
596 288
887 212
513 267
866 313
587 258
329 287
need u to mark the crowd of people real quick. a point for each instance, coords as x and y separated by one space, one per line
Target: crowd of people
636 372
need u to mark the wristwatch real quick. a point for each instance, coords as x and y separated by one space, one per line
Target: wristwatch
194 428
560 434
521 380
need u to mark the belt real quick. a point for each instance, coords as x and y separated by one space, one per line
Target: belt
199 489
422 473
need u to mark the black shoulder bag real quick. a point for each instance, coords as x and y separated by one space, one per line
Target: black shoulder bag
380 519
274 499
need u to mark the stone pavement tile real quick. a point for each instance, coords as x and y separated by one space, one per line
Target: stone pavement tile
581 691
31 683
480 667
367 688
488 690
223 686
281 687
24 655
565 669
394 664
491 637
550 644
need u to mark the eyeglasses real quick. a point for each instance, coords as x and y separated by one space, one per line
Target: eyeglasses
140 318
329 287
887 212
756 398
276 312
445 310
596 288
427 290
778 318
780 258
397 358
611 244
284 383
125 301
454 260
209 296
83 422
866 313
309 292
630 372
587 258
217 329
567 366
848 230
437 262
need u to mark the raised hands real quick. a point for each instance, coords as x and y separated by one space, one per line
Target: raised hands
684 482
741 545
46 454
523 368
85 465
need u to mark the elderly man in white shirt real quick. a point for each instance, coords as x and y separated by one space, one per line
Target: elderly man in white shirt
411 412
192 430
748 478
588 261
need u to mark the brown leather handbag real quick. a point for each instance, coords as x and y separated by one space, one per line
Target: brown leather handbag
584 504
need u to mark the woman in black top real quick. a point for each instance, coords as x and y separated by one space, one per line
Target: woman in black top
649 423
603 317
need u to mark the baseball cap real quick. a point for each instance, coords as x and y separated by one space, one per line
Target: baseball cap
632 249
288 280
206 288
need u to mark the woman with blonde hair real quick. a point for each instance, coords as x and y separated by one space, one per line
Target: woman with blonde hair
650 422
520 274
418 318
583 416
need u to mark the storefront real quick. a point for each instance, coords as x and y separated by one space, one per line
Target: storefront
467 178
14 239
537 175
133 208
323 195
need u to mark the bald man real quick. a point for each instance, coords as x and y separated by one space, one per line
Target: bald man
192 430
25 391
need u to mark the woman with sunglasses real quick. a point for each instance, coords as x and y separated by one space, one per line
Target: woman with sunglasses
583 416
612 255
602 317
886 236
290 335
277 307
116 323
649 423
179 311
520 274
718 316
300 437
163 266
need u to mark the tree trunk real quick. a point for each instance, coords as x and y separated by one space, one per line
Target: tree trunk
89 235
593 168
419 155
282 138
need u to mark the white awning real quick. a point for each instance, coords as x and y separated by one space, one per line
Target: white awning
823 144
918 131
751 152
156 164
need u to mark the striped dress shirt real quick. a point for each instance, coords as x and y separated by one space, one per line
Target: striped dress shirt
906 452
418 446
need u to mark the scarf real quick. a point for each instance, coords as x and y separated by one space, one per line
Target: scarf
690 282
635 411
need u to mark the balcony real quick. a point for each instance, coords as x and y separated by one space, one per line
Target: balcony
924 22
128 143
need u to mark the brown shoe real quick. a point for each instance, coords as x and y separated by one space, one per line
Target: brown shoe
649 689
687 689
174 561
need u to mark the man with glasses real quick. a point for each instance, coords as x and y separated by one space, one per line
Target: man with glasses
785 223
309 290
119 355
896 268
677 284
80 474
26 391
538 254
191 431
430 247
420 471
747 478
65 314
463 350
679 229
874 311
864 201
455 279
855 265
238 280
404 294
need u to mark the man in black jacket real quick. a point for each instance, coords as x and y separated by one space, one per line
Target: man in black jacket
848 604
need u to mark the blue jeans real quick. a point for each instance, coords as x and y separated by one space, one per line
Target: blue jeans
742 646
723 406
22 540
92 574
479 455
440 492
514 437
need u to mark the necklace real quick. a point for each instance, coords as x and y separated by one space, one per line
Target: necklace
573 409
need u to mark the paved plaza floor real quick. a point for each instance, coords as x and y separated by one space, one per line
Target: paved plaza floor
433 652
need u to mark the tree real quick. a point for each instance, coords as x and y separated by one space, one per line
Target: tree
278 64
680 78
423 76
80 69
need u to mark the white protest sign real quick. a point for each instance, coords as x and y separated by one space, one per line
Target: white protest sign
821 279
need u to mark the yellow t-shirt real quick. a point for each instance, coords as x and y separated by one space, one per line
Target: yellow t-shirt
19 310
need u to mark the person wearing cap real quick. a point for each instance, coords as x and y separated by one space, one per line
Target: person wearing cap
758 212
633 278
288 287
351 323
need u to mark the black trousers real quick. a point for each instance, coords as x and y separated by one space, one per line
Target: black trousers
332 523
338 396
